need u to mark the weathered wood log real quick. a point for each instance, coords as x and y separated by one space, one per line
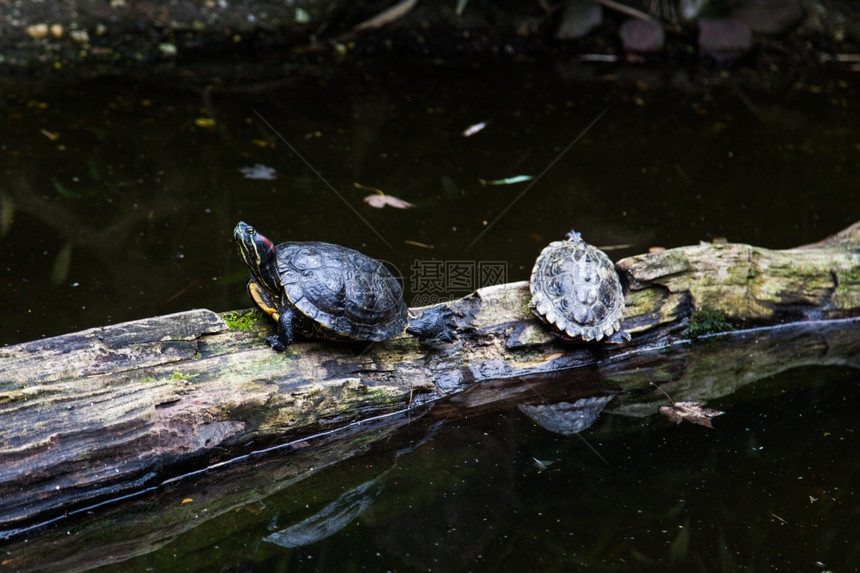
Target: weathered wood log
750 284
93 415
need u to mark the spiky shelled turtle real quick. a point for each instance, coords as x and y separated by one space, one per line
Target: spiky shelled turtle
576 290
322 290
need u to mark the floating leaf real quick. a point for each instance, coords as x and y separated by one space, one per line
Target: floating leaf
53 136
63 191
301 16
506 180
693 412
167 49
387 16
474 128
417 244
380 200
542 465
259 171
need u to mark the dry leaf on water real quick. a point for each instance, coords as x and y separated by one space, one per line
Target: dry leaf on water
693 412
379 201
408 242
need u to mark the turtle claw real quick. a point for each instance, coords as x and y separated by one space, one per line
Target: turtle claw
436 323
284 337
275 342
619 337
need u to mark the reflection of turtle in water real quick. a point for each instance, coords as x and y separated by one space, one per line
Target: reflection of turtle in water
322 290
566 418
575 289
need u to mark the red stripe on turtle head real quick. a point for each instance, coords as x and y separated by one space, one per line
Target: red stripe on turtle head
265 244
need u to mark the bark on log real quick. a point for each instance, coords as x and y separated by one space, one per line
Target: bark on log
97 414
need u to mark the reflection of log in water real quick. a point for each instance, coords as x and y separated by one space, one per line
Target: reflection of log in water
95 415
332 518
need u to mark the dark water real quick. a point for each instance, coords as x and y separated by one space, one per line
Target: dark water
119 197
118 202
773 487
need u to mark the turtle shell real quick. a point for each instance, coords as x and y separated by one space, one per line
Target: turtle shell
575 288
344 293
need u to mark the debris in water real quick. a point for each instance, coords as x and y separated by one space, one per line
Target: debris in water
259 171
379 199
693 412
387 16
417 244
474 128
506 180
53 136
542 465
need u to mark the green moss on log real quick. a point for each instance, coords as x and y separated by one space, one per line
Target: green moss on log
708 321
244 320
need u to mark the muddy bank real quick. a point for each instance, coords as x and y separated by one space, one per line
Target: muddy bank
94 37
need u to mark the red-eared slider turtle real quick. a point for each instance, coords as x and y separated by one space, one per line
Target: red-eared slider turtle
575 289
321 290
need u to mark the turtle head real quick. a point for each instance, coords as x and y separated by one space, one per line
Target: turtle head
259 254
574 236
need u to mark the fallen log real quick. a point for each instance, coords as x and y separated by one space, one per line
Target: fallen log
98 414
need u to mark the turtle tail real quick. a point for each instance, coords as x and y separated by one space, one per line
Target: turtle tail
436 323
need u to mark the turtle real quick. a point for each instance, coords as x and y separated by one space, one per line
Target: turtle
576 290
328 291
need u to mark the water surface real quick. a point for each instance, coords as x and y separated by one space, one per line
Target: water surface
119 196
118 202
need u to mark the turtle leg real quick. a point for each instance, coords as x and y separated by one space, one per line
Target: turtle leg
283 316
284 337
436 323
261 298
619 337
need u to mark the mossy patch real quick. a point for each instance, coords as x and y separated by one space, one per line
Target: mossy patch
527 307
381 395
708 321
244 320
177 375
